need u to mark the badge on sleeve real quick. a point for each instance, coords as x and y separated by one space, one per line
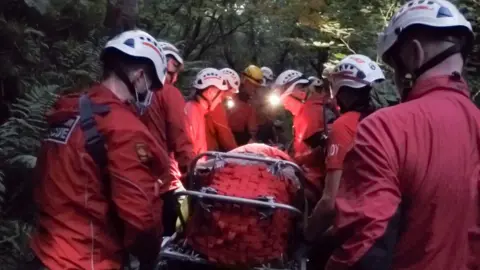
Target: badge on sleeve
61 132
333 150
143 153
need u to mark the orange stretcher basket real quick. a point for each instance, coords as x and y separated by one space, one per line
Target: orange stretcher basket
246 210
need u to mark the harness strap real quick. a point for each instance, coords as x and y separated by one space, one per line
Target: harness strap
95 144
94 140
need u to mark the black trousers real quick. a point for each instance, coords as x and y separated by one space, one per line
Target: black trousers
32 264
170 213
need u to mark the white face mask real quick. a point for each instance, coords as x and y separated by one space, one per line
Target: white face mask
143 104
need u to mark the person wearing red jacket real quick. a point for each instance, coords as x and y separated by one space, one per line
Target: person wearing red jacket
408 197
174 102
242 117
219 134
353 96
307 108
166 120
99 169
210 89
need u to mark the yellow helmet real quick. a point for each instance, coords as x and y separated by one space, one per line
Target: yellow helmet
254 74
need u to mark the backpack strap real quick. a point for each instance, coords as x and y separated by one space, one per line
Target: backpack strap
95 146
94 140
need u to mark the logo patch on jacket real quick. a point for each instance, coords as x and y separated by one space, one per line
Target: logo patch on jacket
60 133
143 153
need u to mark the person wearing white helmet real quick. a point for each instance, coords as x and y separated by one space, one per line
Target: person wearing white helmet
219 134
232 78
316 84
268 76
307 108
242 117
166 120
100 169
414 165
351 82
166 114
175 61
210 88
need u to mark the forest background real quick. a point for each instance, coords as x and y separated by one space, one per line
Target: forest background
49 47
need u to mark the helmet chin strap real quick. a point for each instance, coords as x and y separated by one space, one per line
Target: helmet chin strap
409 79
141 106
209 102
143 100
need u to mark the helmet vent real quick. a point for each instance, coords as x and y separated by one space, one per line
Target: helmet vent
130 42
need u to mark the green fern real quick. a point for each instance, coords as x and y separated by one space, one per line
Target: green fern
21 136
384 94
22 133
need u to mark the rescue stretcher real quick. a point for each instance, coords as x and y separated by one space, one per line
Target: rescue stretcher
177 249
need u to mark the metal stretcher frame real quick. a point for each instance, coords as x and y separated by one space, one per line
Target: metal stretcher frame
222 156
191 191
277 163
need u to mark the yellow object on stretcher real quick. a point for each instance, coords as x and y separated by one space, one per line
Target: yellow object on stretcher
183 201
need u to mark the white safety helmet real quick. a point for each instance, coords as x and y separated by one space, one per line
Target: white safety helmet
355 71
289 78
267 73
232 78
210 77
170 50
431 13
314 81
140 44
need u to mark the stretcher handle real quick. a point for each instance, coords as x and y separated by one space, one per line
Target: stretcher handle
220 155
230 199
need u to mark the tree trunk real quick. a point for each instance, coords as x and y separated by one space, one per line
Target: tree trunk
121 15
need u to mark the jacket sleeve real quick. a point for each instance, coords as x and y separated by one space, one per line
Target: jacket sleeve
136 163
474 236
310 124
177 137
193 126
368 202
340 143
223 132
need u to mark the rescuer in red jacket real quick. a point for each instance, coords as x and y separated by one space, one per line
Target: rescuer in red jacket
210 88
219 134
242 117
100 169
173 103
353 96
408 198
307 108
166 120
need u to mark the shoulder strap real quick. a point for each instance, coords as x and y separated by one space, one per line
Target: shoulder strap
94 140
95 146
325 120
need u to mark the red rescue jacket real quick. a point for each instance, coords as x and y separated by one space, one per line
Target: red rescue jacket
166 119
408 197
242 121
74 229
219 134
197 129
307 122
